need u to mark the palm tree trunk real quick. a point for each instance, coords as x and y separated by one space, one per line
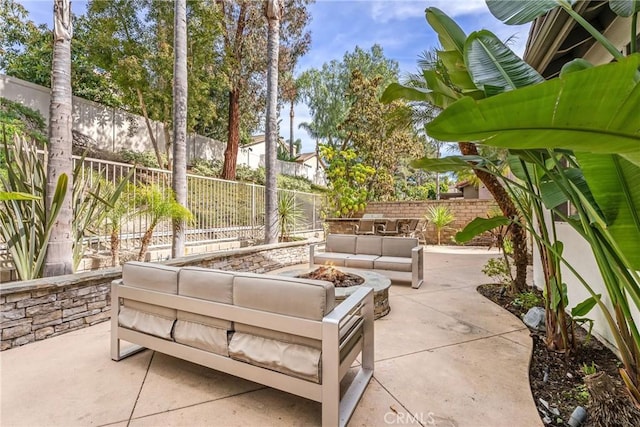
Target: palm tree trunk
273 13
233 137
508 208
291 117
59 256
115 247
179 183
146 240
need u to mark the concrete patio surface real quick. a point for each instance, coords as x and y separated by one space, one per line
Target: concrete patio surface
445 356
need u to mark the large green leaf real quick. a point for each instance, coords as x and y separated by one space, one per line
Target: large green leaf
445 164
516 12
490 62
450 34
398 91
615 184
479 226
595 110
625 7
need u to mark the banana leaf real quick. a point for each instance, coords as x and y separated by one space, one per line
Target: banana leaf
479 226
516 12
491 63
625 8
594 110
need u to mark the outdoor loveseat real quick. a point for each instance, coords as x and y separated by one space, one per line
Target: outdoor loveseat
396 256
286 333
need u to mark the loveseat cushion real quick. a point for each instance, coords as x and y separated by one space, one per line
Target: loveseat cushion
369 245
143 317
360 261
398 246
392 263
204 332
335 258
343 243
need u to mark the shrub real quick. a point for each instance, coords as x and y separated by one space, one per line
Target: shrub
496 268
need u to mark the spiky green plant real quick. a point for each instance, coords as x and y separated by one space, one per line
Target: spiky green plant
440 216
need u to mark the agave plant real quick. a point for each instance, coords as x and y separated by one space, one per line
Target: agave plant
24 225
290 215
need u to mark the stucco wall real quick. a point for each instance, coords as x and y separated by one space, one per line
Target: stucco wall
579 255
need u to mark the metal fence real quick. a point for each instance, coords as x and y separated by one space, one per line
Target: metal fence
222 210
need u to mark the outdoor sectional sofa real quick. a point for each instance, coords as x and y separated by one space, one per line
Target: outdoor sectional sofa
391 255
286 333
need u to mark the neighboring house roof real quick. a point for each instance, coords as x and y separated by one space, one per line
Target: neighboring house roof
465 184
555 38
303 157
260 139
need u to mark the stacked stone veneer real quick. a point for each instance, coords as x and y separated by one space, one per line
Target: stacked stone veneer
33 310
464 211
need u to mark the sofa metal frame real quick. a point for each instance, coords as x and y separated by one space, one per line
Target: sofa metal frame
336 411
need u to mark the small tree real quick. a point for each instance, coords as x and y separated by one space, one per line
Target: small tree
159 206
440 217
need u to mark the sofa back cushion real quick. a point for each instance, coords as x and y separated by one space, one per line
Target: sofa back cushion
148 318
146 275
196 330
369 245
398 246
307 299
344 243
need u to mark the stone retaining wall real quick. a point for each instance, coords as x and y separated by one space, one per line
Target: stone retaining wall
33 310
464 211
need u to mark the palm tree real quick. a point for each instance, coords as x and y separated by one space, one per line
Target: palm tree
273 13
59 257
440 217
179 179
158 206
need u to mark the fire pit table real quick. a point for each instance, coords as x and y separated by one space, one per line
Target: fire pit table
378 282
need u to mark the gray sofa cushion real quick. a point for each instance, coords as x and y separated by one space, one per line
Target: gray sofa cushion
146 321
398 246
369 245
392 263
195 330
146 275
148 318
335 258
292 359
344 243
201 336
360 261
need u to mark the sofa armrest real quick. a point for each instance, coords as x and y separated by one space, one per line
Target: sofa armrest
417 267
312 252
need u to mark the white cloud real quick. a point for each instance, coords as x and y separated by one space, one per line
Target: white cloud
390 10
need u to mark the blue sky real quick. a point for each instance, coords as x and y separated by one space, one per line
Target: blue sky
339 26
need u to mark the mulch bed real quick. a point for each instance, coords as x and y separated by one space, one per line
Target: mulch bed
554 377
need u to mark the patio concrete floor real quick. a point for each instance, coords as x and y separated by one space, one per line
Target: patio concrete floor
445 356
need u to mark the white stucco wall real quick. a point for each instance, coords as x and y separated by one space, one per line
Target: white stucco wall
579 255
